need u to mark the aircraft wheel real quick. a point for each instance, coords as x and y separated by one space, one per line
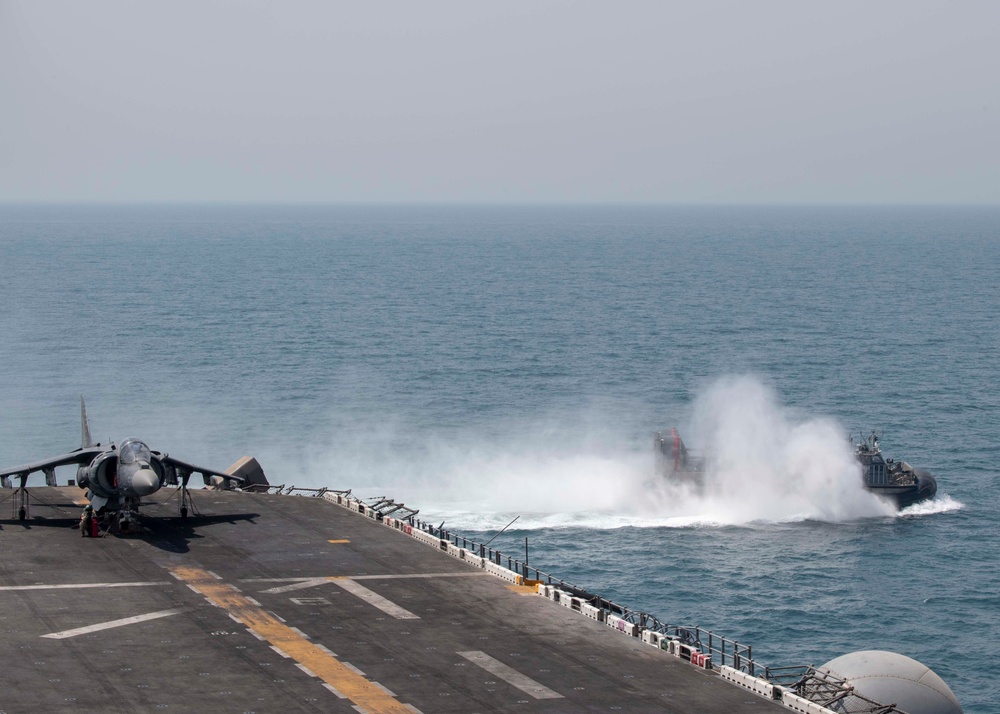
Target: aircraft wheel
184 512
22 513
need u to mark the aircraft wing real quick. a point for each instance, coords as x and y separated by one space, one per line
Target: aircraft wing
185 467
80 456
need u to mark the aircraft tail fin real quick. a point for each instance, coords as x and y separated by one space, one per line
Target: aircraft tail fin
85 425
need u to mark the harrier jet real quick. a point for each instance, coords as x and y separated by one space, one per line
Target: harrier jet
118 476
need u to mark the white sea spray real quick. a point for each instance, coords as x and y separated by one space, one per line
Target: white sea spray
764 462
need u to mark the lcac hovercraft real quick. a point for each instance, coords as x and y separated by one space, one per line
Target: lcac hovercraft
903 484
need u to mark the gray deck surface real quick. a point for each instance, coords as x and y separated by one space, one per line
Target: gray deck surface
521 652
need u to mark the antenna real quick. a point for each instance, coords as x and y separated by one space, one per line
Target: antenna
501 531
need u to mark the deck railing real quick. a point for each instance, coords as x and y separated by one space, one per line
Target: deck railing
723 650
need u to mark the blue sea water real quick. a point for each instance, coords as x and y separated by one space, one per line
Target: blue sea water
483 363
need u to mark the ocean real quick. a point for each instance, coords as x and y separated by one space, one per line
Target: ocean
486 363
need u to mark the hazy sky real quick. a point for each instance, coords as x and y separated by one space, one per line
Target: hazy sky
694 102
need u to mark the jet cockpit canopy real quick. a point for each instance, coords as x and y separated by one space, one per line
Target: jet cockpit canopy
133 450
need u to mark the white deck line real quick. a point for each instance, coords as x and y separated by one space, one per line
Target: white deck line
404 576
72 586
112 623
376 600
313 582
510 675
388 576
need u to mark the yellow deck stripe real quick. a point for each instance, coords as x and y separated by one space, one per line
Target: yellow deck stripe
367 695
523 589
344 540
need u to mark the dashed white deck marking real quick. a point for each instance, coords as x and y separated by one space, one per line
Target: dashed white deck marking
310 600
376 600
72 586
112 623
510 675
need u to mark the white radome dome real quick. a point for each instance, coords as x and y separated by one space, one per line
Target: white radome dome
891 678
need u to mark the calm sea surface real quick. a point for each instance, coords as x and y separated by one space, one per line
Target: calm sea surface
487 363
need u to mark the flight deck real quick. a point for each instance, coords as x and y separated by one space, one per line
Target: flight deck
265 603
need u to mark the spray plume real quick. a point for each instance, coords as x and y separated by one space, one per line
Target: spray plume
764 463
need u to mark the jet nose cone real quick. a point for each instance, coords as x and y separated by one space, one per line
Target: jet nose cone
145 482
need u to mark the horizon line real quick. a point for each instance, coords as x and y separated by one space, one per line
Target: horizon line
480 204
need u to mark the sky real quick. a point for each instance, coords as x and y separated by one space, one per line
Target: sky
500 102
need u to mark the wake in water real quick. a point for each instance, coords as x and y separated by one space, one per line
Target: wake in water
942 503
764 464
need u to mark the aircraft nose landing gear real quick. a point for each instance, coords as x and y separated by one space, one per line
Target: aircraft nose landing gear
185 496
22 510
